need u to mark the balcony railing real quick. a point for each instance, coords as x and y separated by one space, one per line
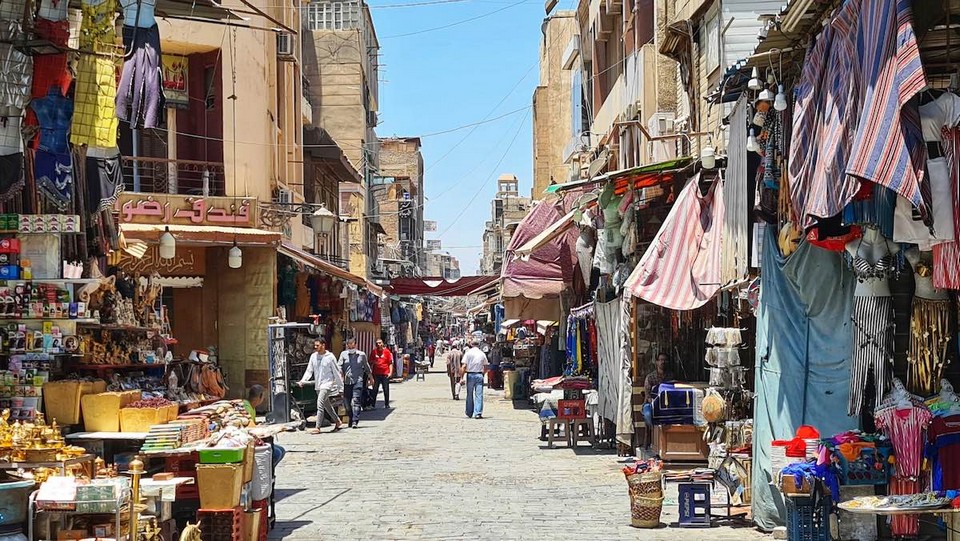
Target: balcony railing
163 175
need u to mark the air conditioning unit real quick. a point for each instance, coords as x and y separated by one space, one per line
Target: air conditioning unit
372 119
660 124
284 196
285 44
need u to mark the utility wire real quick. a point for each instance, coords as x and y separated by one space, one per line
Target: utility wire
455 23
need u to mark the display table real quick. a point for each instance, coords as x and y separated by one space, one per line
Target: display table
117 436
62 465
949 515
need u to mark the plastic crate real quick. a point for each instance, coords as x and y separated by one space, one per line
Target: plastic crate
865 471
693 504
808 518
221 524
222 456
264 507
186 463
571 409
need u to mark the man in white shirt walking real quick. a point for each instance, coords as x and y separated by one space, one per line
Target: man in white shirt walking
474 366
329 382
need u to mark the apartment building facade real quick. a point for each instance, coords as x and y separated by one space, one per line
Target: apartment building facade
341 68
397 195
552 104
441 265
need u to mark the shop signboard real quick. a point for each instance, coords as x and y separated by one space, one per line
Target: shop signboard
433 244
175 69
429 226
164 209
189 261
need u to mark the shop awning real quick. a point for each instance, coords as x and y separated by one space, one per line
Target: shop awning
202 234
326 267
440 287
643 176
507 323
556 228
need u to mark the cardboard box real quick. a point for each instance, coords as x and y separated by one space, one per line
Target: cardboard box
71 535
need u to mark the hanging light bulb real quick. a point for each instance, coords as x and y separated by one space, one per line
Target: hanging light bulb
752 145
755 83
168 245
780 103
235 257
708 158
766 95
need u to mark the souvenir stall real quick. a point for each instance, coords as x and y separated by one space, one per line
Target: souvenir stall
856 243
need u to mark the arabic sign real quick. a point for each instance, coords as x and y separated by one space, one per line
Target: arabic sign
142 208
189 261
429 225
175 69
433 244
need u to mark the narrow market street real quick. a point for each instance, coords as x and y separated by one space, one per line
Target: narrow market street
425 471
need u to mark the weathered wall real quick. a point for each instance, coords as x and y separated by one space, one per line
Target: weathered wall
552 105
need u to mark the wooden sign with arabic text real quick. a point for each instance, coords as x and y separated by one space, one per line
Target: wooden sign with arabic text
163 209
189 261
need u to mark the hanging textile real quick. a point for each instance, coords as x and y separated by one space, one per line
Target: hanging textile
804 350
624 418
681 268
736 231
946 255
95 117
608 377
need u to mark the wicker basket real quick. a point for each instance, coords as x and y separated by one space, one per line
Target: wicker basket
645 511
646 484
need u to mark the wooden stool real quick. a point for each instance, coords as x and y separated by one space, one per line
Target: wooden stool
574 429
553 425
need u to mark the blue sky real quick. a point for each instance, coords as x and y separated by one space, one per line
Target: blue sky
442 79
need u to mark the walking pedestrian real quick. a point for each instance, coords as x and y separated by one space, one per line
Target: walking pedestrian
356 370
431 352
453 370
474 365
381 359
329 382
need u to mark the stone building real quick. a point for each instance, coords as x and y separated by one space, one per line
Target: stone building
552 105
507 209
397 195
442 265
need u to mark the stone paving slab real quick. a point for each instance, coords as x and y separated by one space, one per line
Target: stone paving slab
424 471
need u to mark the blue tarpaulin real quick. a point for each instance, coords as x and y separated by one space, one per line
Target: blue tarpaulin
804 348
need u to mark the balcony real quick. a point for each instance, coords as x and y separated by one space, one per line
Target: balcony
164 175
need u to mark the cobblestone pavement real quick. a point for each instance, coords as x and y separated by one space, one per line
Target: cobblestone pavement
425 471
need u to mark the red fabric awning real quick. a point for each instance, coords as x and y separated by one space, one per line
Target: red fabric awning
439 287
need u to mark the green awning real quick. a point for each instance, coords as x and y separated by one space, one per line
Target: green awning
658 167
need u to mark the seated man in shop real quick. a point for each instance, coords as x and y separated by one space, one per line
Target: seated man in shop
651 384
255 397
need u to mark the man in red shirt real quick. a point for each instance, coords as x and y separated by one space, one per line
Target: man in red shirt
381 362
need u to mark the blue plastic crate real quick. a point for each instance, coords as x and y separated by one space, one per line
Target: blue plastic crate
694 505
808 518
865 471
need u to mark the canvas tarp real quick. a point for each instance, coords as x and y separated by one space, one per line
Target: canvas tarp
608 345
549 269
625 392
804 347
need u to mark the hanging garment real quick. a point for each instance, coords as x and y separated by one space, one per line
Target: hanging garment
54 113
140 99
11 175
803 356
95 117
53 173
904 525
50 74
929 338
16 68
104 182
946 255
301 309
905 429
943 449
736 231
873 206
872 349
681 268
624 421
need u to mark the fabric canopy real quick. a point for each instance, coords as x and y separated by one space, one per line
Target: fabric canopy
439 287
548 270
326 267
201 234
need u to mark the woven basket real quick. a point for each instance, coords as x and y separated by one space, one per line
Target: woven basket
645 512
646 484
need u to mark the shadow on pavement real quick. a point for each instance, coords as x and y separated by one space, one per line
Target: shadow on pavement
282 493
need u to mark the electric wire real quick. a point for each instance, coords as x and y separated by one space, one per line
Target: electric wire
455 23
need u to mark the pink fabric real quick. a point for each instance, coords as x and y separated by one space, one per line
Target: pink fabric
904 525
550 268
905 430
681 268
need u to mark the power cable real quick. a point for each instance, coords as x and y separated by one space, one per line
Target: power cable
456 23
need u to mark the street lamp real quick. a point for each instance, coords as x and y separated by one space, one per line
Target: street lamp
168 245
322 222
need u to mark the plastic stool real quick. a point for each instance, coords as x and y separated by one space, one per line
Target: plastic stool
576 433
694 505
553 426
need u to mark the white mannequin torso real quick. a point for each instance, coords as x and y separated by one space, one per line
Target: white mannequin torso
924 288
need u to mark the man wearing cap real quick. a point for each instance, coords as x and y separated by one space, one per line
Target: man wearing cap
356 370
473 367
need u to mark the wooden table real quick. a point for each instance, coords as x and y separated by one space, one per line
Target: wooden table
950 516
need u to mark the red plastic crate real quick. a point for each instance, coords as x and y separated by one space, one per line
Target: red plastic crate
571 409
183 463
188 492
221 525
264 507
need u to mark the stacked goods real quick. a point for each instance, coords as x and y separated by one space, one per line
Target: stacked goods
222 414
193 429
101 411
163 438
142 414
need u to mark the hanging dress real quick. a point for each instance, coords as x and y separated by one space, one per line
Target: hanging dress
94 116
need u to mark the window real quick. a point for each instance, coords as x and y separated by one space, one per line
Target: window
710 42
576 95
333 15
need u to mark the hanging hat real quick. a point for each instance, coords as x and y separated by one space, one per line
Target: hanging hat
714 408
